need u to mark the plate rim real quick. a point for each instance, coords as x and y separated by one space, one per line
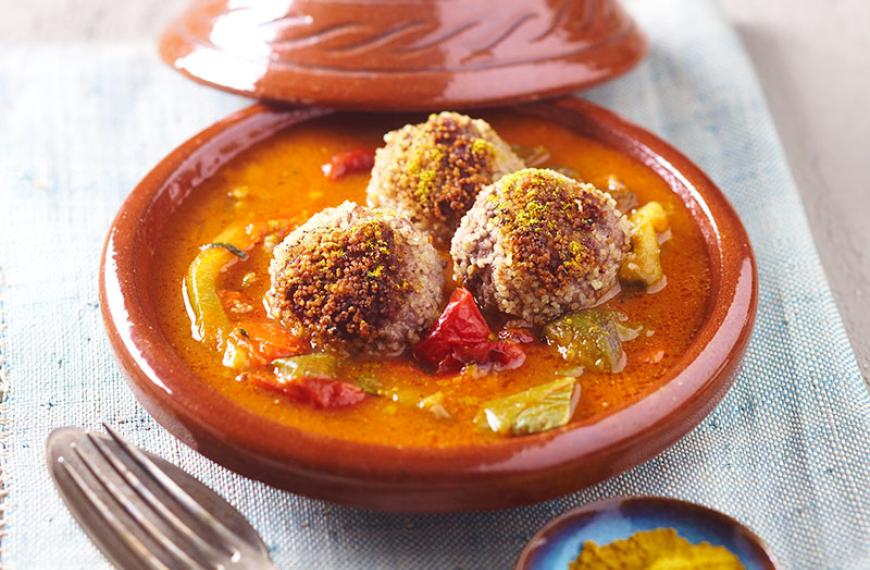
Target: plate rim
452 478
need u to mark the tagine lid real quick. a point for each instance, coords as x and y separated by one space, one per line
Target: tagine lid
402 54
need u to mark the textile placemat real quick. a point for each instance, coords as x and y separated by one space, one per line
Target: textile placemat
787 451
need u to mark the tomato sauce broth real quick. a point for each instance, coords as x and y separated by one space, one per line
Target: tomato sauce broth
282 178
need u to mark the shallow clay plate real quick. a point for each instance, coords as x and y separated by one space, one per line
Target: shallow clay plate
507 473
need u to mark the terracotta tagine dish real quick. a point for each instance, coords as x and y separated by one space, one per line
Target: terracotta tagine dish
426 311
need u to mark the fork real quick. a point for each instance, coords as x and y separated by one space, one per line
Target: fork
145 513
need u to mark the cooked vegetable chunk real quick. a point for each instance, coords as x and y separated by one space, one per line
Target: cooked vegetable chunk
461 336
318 365
651 213
434 404
534 410
311 379
591 338
350 162
317 392
209 321
261 342
643 263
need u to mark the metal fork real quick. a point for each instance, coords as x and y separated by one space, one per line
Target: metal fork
145 513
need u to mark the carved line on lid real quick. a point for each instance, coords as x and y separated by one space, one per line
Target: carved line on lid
438 40
328 33
511 29
557 20
382 38
592 11
290 65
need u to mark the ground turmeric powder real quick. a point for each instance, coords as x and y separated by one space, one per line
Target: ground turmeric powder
658 549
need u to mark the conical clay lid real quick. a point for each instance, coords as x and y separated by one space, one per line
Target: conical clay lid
402 54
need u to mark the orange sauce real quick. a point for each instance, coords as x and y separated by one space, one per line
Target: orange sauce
281 178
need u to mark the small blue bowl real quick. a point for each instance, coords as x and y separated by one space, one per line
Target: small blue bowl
560 541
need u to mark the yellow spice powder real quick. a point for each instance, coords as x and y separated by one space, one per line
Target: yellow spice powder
659 549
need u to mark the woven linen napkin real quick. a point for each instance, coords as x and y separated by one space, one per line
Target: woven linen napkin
786 452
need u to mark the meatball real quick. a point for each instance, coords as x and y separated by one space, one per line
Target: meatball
537 244
356 280
432 172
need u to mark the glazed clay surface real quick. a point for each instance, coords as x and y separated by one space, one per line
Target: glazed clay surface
512 472
402 54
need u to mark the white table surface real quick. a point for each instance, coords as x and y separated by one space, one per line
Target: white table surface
813 60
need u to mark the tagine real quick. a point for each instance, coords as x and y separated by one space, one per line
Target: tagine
440 281
451 310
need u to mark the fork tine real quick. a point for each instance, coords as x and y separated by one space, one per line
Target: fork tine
134 511
153 502
172 489
128 538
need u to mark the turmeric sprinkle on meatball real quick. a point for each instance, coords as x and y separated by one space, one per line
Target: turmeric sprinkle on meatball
433 171
356 279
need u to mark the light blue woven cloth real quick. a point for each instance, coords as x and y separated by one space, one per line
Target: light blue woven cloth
787 451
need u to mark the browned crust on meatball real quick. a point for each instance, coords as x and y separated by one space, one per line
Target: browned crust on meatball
537 244
356 279
432 172
349 284
550 225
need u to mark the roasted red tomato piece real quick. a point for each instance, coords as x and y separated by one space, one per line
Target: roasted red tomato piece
521 335
344 163
235 303
506 355
462 336
323 393
265 341
318 392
